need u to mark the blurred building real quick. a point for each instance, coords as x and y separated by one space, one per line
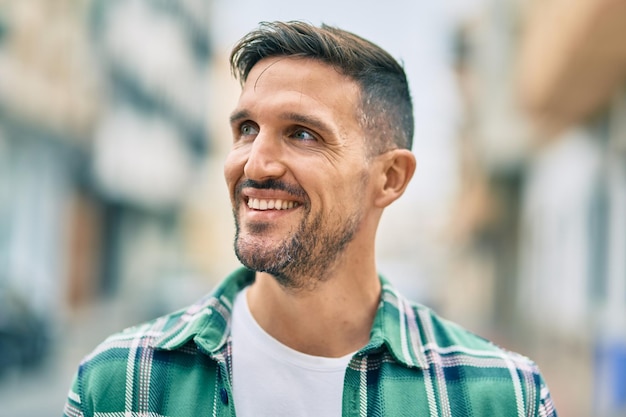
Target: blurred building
103 136
47 108
572 83
150 141
543 156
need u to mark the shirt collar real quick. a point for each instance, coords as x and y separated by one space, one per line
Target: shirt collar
396 328
207 322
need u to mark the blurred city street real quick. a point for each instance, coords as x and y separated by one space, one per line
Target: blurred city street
113 208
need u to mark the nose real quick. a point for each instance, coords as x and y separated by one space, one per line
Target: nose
265 158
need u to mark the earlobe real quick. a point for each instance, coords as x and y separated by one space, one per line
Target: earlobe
398 169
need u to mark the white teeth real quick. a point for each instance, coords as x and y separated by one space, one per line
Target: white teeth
258 204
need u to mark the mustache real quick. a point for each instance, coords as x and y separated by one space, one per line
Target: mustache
271 184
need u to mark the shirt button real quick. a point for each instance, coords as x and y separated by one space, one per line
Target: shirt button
224 396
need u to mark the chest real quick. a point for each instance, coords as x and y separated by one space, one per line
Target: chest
197 385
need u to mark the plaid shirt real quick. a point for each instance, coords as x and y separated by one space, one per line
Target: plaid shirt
416 364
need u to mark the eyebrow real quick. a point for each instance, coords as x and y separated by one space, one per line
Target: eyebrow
312 121
239 115
290 116
300 118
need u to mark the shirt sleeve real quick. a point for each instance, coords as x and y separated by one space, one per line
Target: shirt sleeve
546 406
73 404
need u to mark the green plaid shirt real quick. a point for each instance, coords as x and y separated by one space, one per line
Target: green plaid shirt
416 364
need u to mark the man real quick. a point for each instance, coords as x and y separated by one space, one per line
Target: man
321 145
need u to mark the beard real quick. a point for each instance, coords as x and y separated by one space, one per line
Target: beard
308 253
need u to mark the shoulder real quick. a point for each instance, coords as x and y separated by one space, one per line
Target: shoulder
101 379
170 335
454 344
119 372
147 369
418 335
111 358
490 374
427 359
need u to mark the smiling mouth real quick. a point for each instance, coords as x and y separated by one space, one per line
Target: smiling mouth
271 204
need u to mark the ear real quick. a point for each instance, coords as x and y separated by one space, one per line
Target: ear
398 169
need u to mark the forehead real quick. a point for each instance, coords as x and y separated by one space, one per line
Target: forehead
302 85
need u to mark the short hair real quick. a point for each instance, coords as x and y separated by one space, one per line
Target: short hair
385 102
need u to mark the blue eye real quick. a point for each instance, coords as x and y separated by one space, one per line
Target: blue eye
247 129
301 134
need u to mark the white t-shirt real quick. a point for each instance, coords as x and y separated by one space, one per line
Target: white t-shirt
271 379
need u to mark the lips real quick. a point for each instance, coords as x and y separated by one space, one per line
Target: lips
270 195
271 204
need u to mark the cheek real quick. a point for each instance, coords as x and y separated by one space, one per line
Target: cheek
359 190
341 193
233 169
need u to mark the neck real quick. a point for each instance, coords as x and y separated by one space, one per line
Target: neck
332 319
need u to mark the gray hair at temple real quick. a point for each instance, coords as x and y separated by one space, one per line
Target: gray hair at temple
386 107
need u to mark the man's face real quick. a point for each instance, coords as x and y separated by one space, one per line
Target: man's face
297 172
